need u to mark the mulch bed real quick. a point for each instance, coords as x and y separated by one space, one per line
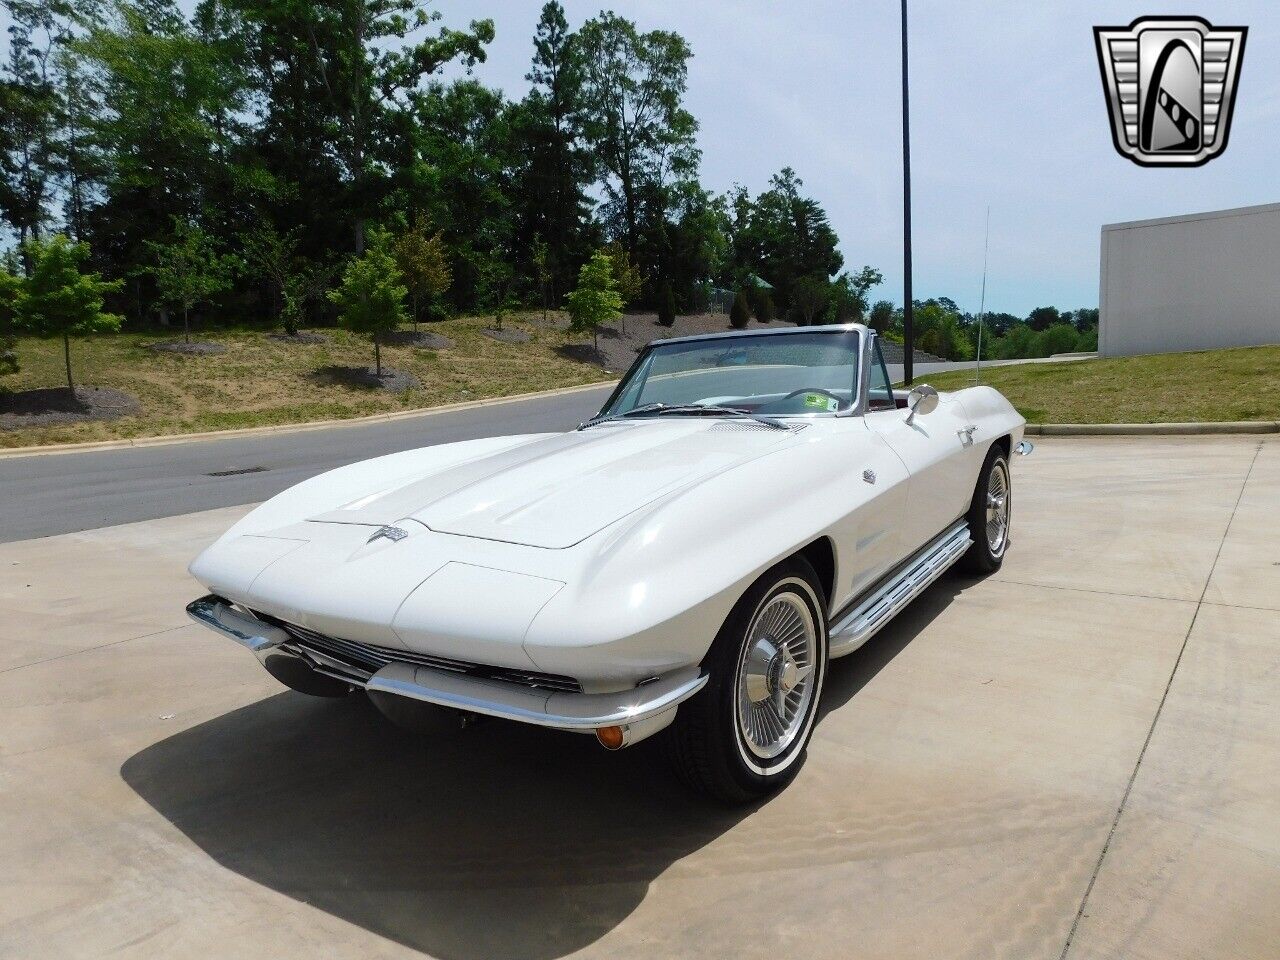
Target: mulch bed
195 348
301 337
393 381
417 338
56 406
507 336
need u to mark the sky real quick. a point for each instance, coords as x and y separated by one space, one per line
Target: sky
1007 110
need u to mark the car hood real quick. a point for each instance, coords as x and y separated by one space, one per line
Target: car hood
557 491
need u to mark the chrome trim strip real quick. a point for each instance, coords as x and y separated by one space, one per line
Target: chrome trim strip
887 600
563 710
218 615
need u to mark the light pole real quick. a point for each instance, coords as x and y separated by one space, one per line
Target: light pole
908 334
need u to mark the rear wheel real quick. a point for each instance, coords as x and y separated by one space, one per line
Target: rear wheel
990 513
744 735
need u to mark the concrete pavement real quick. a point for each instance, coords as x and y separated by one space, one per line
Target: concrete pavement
1077 757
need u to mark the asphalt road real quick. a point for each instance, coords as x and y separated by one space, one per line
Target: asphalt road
46 495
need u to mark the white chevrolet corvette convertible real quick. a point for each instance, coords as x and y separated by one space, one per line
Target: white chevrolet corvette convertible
745 507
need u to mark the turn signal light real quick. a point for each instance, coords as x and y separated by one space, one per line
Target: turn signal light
611 738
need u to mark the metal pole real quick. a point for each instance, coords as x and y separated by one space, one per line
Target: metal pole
982 305
908 333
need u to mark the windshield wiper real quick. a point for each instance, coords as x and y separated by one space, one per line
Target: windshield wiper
662 410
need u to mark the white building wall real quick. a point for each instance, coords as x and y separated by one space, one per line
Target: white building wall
1195 282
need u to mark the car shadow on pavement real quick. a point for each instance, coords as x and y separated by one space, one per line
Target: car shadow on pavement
500 841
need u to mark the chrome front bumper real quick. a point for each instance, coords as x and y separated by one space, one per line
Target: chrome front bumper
646 708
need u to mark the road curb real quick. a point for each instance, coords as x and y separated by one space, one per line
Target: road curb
175 438
1150 429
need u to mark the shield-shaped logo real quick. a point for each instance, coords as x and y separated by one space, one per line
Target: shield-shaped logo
1170 84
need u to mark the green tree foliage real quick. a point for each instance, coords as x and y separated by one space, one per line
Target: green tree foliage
283 126
370 298
270 257
940 329
783 236
849 302
634 121
761 301
809 297
556 170
189 270
11 292
739 312
595 300
1042 318
881 316
424 263
60 298
666 305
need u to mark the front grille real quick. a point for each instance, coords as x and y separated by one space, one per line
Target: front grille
365 659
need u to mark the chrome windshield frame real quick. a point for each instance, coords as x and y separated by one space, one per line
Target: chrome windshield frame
860 378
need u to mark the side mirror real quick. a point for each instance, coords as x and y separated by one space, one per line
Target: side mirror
921 401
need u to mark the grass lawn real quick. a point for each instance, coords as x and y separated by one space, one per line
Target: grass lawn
260 381
1207 386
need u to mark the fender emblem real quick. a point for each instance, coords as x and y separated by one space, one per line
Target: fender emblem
869 476
391 533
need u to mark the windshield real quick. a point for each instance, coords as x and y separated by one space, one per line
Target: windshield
783 373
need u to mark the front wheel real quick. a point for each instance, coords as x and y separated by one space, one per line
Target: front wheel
989 514
744 735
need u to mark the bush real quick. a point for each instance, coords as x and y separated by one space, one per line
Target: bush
1088 341
761 301
739 313
666 305
1059 338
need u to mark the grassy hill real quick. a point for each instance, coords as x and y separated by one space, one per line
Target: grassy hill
1213 385
261 381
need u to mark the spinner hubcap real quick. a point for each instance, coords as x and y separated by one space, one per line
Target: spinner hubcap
775 675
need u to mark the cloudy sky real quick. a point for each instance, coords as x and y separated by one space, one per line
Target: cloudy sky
1006 110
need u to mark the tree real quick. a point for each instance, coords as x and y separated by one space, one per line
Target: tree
809 296
881 317
633 119
1042 318
1085 318
761 301
424 262
371 297
542 268
625 276
849 295
307 281
171 104
11 293
739 312
269 255
189 270
596 299
60 299
784 236
556 171
666 305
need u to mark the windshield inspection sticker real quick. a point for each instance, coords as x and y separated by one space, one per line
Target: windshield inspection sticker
819 401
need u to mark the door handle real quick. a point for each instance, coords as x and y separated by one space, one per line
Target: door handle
966 433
